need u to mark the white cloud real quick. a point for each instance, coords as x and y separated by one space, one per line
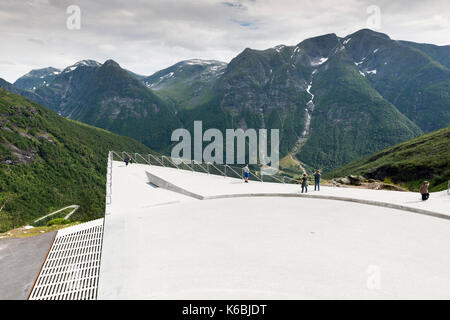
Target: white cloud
148 35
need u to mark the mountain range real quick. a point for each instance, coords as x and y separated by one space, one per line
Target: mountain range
334 99
43 77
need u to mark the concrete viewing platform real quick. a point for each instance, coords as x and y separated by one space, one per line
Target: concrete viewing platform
214 186
265 241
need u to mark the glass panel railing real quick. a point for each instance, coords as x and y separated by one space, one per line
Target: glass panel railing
232 171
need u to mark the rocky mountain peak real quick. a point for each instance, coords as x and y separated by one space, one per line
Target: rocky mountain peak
111 63
363 33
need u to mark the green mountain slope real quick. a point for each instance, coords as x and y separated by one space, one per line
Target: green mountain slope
47 162
350 118
405 76
409 163
24 93
440 54
278 87
369 92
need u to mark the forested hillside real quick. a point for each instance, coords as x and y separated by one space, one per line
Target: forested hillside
47 162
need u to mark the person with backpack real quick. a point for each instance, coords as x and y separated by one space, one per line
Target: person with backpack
305 183
424 191
127 159
317 180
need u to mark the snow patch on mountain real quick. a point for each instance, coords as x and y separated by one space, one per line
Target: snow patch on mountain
279 48
319 61
361 62
85 63
69 69
296 50
201 62
42 73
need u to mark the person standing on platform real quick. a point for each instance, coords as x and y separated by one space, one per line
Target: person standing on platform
424 190
305 183
317 180
246 173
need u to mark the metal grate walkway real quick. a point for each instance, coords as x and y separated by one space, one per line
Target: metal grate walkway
72 267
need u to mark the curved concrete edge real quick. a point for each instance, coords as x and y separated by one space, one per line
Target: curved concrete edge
161 183
171 187
326 197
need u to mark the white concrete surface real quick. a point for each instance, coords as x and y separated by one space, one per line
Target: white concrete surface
164 245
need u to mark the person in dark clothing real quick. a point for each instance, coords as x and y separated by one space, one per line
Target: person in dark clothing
317 180
127 159
424 190
305 183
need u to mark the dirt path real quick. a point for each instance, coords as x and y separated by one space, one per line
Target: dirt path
297 162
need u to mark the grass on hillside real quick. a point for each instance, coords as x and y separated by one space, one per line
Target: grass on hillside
408 164
25 233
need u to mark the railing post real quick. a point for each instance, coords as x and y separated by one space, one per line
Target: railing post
173 162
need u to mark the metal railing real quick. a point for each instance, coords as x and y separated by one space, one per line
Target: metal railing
194 166
109 178
67 216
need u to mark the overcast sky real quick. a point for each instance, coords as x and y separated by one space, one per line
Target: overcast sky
146 36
